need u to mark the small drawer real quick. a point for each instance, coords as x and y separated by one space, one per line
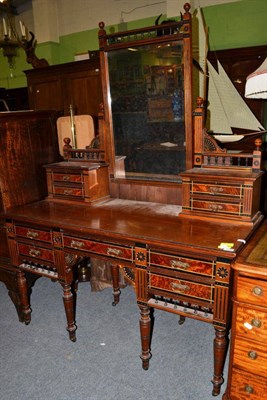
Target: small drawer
251 324
216 207
216 190
180 286
35 234
36 252
72 178
182 263
251 291
247 386
250 356
68 191
109 250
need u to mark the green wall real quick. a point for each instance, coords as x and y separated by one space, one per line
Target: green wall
238 24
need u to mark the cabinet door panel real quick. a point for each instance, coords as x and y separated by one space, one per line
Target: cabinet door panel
85 93
46 95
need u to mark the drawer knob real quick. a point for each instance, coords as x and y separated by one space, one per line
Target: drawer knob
258 291
32 235
67 191
75 243
179 286
252 354
256 322
34 252
180 264
249 389
66 178
113 252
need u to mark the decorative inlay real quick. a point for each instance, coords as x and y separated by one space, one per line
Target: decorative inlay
222 272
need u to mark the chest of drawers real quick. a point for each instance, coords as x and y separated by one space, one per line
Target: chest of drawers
77 181
227 194
248 359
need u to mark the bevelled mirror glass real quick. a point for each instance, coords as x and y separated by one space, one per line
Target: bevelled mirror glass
147 104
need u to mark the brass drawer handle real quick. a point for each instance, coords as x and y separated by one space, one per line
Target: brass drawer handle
75 243
67 192
66 178
256 322
215 207
180 287
32 235
180 264
249 389
34 253
215 189
252 354
113 252
258 291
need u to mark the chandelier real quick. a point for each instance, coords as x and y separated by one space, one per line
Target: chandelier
10 40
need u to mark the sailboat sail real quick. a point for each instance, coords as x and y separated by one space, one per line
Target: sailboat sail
226 107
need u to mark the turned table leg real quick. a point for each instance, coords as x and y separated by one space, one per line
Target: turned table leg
220 350
24 297
145 331
69 310
116 284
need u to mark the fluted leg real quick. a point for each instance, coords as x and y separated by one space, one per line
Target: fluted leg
220 350
145 331
69 310
24 298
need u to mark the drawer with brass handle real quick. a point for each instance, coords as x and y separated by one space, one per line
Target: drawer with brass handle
35 234
220 189
182 263
250 324
35 252
250 356
94 247
217 207
247 386
252 291
72 178
180 286
68 191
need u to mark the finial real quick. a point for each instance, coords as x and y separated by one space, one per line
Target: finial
258 143
187 7
200 102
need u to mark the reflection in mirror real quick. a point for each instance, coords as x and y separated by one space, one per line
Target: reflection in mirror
147 101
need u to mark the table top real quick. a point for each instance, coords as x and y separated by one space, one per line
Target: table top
136 222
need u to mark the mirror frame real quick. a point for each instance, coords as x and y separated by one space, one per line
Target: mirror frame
172 32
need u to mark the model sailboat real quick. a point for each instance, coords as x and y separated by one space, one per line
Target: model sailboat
226 109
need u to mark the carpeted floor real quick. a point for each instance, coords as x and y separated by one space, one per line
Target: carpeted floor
39 362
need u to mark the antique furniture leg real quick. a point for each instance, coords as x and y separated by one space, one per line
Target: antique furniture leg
181 320
145 330
24 297
116 286
69 309
220 350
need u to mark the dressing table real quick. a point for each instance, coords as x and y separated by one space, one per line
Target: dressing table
178 259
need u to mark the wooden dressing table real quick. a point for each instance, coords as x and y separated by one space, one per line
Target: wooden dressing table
175 263
178 262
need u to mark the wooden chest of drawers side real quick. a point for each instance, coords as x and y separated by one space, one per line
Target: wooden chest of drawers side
247 376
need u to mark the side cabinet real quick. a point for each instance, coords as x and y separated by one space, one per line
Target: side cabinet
247 377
